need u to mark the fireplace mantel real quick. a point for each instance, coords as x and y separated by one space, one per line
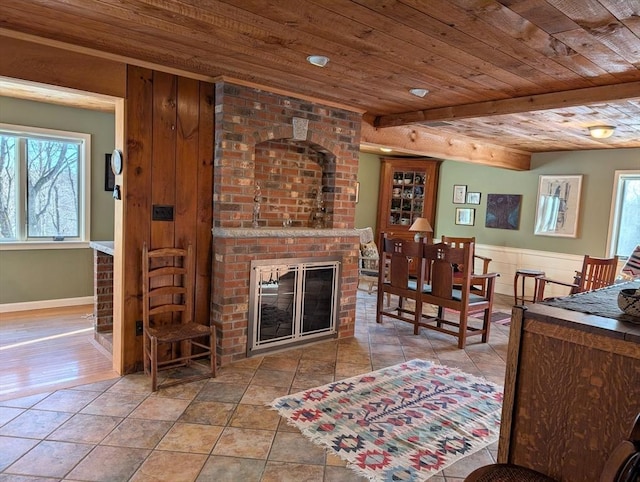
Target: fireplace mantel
281 232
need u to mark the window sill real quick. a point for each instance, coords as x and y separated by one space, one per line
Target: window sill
29 245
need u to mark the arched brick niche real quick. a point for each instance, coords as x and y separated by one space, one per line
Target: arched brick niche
252 126
296 184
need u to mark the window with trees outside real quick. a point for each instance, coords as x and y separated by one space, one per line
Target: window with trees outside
624 227
44 185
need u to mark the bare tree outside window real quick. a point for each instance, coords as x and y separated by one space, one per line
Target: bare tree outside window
8 220
52 196
43 195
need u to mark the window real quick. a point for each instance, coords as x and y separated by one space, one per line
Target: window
44 185
624 227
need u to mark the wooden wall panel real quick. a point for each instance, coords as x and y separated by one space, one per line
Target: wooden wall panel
163 168
136 195
34 62
186 172
169 161
204 206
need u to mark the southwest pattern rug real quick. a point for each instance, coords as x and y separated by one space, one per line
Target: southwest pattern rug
401 423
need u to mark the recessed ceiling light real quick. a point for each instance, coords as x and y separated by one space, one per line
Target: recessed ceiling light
386 149
601 132
418 92
318 60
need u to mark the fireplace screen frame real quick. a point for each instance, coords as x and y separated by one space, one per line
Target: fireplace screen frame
297 334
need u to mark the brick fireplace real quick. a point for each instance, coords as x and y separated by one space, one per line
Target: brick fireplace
285 173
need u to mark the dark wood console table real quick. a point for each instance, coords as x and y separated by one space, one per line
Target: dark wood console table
572 386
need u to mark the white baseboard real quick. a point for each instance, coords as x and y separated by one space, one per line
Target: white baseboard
41 304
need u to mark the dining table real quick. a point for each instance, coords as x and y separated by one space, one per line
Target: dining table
602 302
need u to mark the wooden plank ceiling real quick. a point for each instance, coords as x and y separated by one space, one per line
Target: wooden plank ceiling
520 75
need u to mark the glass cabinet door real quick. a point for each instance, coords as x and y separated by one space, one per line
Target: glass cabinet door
408 190
407 196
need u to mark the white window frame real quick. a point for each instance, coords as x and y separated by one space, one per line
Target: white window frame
84 210
614 216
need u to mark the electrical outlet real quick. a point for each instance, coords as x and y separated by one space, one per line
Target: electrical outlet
138 327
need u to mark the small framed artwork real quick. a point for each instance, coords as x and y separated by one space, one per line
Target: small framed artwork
109 176
459 194
473 198
465 216
558 206
503 211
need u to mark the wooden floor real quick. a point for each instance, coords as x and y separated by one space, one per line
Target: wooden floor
46 350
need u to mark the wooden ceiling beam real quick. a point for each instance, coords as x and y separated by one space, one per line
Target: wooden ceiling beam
428 142
529 103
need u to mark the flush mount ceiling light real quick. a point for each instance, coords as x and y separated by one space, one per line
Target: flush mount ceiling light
418 92
386 149
601 132
318 60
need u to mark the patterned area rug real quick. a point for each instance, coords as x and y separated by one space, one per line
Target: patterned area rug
401 423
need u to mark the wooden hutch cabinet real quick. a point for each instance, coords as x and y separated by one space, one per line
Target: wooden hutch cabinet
408 190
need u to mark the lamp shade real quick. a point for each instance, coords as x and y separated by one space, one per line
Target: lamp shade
421 225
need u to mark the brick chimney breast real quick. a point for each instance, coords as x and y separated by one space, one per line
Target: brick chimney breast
304 157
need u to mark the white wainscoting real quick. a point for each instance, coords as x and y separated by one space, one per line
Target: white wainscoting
558 266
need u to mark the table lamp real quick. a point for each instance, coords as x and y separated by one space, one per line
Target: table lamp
422 227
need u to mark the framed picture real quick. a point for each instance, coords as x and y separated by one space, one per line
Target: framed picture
109 176
473 198
459 194
503 211
558 206
465 216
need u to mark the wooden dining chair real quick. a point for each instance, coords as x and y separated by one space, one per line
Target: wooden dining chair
595 273
167 317
452 289
400 273
482 261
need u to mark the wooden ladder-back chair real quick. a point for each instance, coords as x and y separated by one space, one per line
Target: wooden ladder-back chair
455 292
481 286
400 273
623 465
167 316
595 273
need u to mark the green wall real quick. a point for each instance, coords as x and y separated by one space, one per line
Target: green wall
369 179
44 274
596 166
30 275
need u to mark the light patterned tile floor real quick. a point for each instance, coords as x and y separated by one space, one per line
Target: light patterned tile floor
219 430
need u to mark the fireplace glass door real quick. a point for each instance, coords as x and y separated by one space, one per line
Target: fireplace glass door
291 302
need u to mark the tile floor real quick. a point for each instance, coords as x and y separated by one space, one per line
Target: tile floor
220 429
